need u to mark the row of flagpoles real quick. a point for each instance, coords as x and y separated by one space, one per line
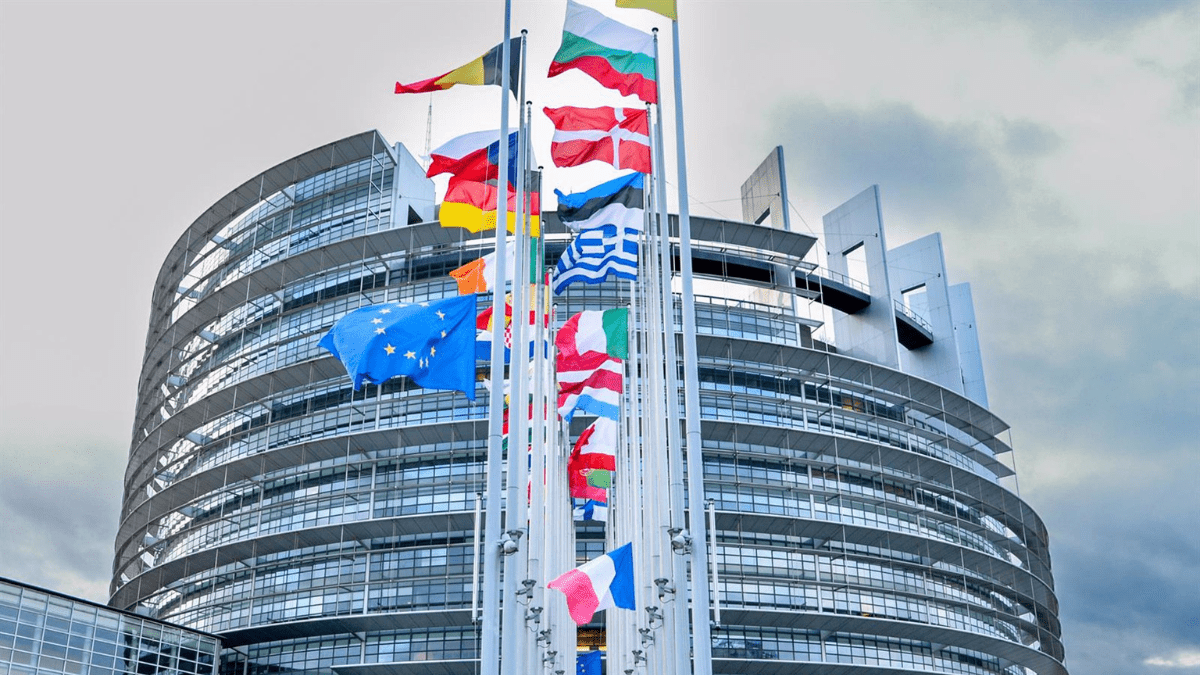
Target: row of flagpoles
633 447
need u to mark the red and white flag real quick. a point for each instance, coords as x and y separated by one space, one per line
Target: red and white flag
616 136
597 446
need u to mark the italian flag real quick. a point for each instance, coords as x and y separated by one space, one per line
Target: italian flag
592 347
615 55
595 331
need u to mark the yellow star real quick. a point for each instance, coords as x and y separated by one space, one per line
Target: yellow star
411 355
433 351
377 320
390 350
441 315
443 333
380 331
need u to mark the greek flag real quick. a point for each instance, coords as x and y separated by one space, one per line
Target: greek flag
596 253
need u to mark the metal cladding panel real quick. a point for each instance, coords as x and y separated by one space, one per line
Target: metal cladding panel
860 625
869 334
359 623
1027 584
246 195
426 667
966 337
173 570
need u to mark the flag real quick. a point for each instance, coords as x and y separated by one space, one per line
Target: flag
615 55
432 343
616 136
596 254
589 509
619 202
479 276
590 384
486 69
604 583
472 205
596 447
592 346
664 7
483 336
588 663
603 331
474 157
581 488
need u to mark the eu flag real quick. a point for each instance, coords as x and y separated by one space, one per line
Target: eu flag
433 343
587 663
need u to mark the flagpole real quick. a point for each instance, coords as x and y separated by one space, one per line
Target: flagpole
489 650
515 568
701 633
654 447
678 612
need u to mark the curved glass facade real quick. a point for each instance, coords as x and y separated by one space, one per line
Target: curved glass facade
863 516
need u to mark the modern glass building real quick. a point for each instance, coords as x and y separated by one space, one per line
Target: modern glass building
866 514
47 633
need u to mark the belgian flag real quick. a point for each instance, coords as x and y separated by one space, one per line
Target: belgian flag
486 69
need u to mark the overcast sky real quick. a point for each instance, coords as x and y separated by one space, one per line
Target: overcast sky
1055 145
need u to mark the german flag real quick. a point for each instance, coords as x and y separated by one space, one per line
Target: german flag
472 205
484 70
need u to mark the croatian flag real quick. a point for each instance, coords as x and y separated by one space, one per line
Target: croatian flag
603 583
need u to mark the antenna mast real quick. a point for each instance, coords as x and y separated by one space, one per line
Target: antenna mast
428 133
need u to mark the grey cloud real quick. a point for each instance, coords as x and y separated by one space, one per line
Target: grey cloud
1023 138
1055 23
925 168
1103 388
60 503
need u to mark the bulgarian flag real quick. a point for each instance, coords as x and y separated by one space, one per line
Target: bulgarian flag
486 69
619 137
615 55
604 583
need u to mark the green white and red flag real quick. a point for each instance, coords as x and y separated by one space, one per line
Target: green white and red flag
603 331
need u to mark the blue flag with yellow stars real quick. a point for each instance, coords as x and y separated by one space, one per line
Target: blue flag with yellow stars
588 663
432 343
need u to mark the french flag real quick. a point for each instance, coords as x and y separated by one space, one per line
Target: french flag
603 583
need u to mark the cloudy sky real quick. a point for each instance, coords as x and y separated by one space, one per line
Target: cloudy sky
1056 146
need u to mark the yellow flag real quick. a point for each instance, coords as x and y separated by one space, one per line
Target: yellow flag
664 7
